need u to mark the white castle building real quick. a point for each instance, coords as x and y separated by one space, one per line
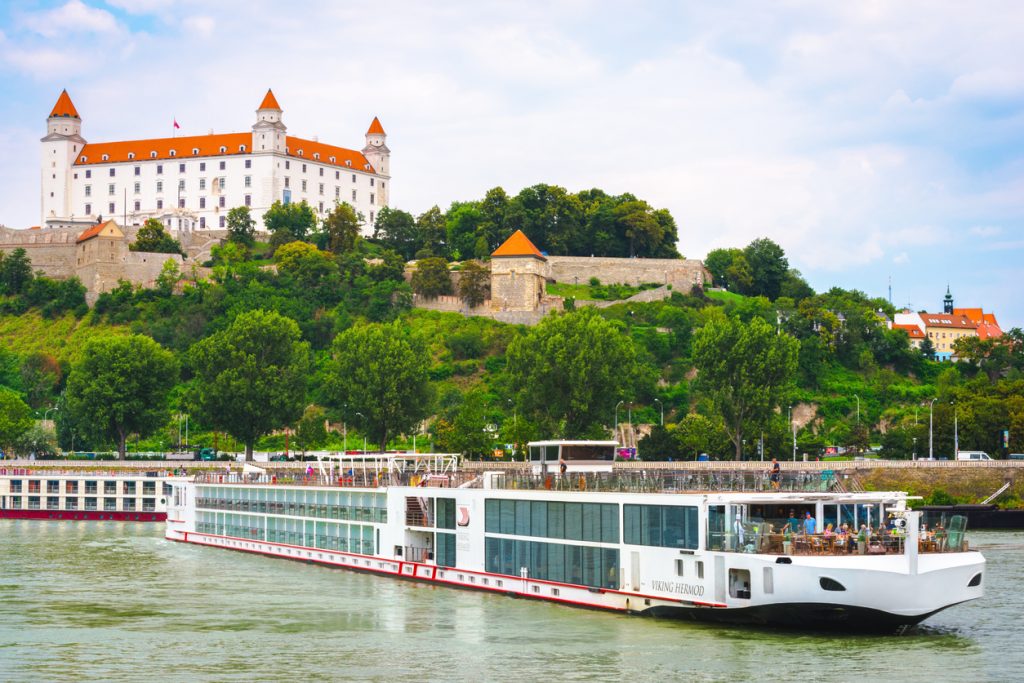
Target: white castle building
196 180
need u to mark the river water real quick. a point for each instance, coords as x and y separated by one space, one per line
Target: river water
109 601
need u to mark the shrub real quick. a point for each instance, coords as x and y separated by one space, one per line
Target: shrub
466 344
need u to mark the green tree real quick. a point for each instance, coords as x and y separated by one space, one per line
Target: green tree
311 432
251 376
15 272
169 277
698 434
396 229
745 369
571 370
474 283
768 265
40 376
462 221
431 277
289 222
154 239
15 419
380 371
468 434
431 230
39 441
341 228
119 386
241 226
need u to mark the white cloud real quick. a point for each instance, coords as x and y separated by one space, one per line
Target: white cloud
202 26
986 230
901 258
71 17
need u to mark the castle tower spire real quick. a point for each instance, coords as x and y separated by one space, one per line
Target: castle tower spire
269 134
379 156
947 302
60 147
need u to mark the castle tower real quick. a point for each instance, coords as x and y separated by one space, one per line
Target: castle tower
518 275
379 156
269 132
947 302
60 147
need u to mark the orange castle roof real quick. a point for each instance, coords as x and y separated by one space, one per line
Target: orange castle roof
65 107
210 145
375 127
269 101
95 230
913 331
518 245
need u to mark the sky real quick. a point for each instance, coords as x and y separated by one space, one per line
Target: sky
874 141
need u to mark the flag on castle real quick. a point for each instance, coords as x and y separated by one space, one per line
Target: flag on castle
176 123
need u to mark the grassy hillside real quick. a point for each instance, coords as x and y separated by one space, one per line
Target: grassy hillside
59 337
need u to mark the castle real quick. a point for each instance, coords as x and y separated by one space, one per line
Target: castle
198 179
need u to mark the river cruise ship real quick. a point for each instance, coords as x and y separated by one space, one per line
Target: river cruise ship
700 544
74 494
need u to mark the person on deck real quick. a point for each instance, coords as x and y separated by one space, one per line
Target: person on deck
809 524
774 474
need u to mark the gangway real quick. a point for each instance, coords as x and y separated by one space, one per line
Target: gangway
995 495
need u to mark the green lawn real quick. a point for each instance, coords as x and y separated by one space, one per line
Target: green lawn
596 292
725 297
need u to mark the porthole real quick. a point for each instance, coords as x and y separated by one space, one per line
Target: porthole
975 581
830 584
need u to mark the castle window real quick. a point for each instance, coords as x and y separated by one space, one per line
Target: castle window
138 170
152 155
88 172
353 195
84 159
337 192
366 166
223 149
299 153
181 185
371 198
159 186
348 162
195 151
159 203
241 148
316 155
303 185
202 183
303 168
333 160
287 164
112 207
202 222
220 202
287 181
371 218
138 204
88 209
321 207
382 184
337 175
172 153
202 166
248 181
221 221
321 172
138 188
181 203
112 172
321 188
248 163
371 182
105 157
88 191
223 165
248 200
159 168
181 168
131 155
202 202
110 188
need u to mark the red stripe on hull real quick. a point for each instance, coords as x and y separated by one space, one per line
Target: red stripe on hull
84 515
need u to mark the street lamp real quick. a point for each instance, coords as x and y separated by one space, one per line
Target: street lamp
956 434
792 426
617 419
364 432
858 408
48 411
914 455
658 401
931 409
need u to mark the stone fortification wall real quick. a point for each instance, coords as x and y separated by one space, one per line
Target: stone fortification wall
682 274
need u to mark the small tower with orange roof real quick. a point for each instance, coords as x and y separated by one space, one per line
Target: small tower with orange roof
518 275
61 146
269 134
379 156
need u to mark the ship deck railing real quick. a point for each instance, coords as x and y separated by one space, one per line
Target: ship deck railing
627 481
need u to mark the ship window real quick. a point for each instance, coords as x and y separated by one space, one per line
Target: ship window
830 584
680 567
975 580
768 580
700 569
739 583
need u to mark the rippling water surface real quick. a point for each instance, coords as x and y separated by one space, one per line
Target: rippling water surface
108 601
